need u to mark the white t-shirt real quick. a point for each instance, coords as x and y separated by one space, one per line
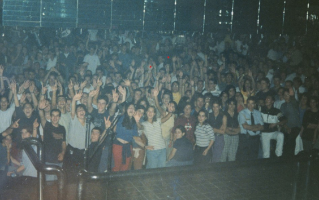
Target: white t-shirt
5 117
153 133
51 63
93 61
93 34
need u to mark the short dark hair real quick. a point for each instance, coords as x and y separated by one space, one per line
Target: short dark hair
182 128
98 129
266 80
105 98
55 110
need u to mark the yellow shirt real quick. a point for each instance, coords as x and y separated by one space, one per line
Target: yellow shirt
177 97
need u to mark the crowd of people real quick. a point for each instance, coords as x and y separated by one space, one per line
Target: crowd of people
156 102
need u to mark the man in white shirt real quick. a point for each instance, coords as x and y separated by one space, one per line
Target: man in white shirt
92 60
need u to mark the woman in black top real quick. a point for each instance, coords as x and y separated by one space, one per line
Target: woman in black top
182 153
218 121
231 138
310 124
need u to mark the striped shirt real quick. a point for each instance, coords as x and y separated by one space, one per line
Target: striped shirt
204 134
153 132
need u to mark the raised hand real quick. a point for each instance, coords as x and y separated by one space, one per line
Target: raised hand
93 93
36 123
13 87
26 84
77 96
31 87
15 124
76 87
107 122
44 90
83 84
122 90
1 70
42 104
155 92
127 83
22 98
115 96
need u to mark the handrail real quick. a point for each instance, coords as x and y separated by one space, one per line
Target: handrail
38 163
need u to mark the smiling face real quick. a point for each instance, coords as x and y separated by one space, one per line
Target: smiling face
28 110
55 117
4 103
80 113
101 105
131 110
25 133
201 117
61 102
150 113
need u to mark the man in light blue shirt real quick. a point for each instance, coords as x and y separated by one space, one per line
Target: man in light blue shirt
250 123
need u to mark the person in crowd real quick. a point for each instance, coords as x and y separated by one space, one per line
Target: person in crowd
273 119
310 124
182 153
188 121
231 137
126 131
218 120
156 151
199 105
205 138
290 110
251 124
264 90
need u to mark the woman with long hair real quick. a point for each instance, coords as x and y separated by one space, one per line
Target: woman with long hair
156 153
126 132
231 137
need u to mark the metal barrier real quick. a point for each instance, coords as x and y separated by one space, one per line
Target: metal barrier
37 161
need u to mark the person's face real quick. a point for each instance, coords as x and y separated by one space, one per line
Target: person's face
80 113
84 99
91 51
201 117
31 75
286 96
247 84
231 92
28 110
187 110
211 84
118 77
200 85
137 95
150 113
280 92
130 110
199 102
313 103
171 108
47 106
175 87
25 134
95 135
140 112
178 133
166 98
216 107
88 80
277 82
52 80
231 106
55 117
101 105
143 103
288 85
269 101
304 100
224 97
61 102
251 105
264 85
228 78
4 104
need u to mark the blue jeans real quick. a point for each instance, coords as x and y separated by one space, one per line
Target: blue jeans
173 163
156 158
218 148
49 177
104 160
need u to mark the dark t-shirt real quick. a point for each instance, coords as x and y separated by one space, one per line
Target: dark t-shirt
309 118
262 95
52 146
24 122
184 150
98 118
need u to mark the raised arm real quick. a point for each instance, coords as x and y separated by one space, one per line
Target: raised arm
92 94
76 98
14 92
41 112
161 110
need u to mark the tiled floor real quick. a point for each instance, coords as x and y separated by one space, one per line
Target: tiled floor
258 180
